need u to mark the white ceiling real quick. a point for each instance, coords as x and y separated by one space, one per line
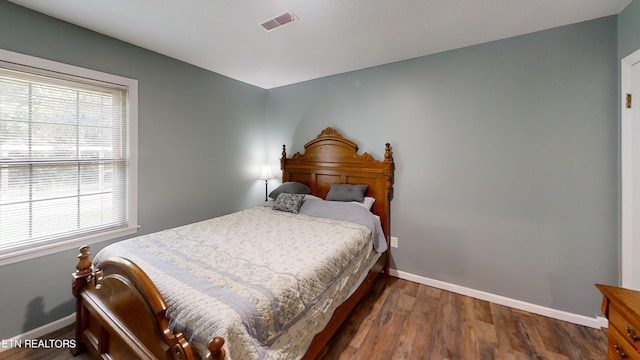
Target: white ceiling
330 36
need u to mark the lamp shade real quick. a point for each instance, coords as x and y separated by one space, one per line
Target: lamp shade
266 173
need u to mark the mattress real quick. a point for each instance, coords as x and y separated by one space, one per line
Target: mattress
264 280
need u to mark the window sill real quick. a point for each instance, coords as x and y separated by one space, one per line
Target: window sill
32 251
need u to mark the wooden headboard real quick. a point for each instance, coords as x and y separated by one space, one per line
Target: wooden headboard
330 159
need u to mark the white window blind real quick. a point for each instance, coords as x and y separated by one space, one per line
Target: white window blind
64 165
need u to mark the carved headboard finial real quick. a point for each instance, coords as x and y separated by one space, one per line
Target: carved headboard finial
387 152
330 134
329 131
283 158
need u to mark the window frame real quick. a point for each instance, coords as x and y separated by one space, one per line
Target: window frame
24 251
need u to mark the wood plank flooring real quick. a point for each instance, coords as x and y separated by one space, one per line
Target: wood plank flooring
400 319
405 320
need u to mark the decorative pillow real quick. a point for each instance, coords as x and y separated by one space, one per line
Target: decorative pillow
290 187
347 192
288 202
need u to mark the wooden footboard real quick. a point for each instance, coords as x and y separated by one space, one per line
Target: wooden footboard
121 315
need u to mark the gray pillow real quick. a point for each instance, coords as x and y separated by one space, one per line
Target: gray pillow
288 202
347 192
290 187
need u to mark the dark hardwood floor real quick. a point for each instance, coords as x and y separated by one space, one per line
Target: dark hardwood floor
405 320
400 319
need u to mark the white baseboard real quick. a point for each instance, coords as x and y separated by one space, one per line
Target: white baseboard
594 322
42 330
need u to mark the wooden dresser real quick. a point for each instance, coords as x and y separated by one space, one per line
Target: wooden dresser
622 308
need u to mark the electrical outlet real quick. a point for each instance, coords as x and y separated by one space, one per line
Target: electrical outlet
394 242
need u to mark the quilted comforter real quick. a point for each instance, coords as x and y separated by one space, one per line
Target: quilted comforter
266 281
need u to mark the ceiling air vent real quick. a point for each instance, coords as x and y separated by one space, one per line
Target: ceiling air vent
278 21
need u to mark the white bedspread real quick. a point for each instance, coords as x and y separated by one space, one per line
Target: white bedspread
266 281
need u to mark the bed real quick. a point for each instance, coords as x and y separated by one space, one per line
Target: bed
247 284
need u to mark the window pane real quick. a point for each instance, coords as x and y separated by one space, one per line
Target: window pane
96 210
95 109
54 217
14 184
14 97
95 142
53 104
54 181
51 141
14 223
95 178
14 139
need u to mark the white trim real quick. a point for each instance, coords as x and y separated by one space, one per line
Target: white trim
626 171
32 61
595 322
42 330
604 322
29 251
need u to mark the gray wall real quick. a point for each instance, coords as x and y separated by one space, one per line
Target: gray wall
629 29
200 149
506 159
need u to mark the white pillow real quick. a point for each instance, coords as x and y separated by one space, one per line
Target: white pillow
367 203
309 196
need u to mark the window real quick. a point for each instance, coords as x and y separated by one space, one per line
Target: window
67 156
